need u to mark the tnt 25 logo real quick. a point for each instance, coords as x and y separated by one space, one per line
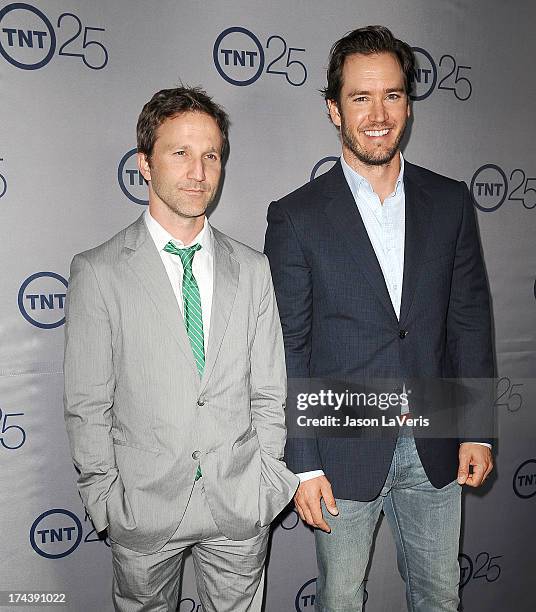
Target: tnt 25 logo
41 299
524 481
3 183
507 396
239 57
188 604
12 435
305 598
491 188
482 566
452 76
28 38
58 532
130 179
323 165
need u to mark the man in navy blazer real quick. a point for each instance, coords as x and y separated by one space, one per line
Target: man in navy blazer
378 274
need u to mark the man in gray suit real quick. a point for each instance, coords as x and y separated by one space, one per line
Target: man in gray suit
175 379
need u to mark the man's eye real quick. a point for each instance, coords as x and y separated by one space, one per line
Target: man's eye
179 152
393 96
360 99
212 156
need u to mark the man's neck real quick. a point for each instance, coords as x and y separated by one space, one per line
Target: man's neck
382 178
184 229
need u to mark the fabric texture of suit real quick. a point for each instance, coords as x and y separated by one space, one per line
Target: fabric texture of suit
339 323
139 417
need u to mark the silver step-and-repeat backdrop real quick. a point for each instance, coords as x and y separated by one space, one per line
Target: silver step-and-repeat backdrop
73 78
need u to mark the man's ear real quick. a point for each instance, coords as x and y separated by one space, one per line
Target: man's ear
334 113
144 166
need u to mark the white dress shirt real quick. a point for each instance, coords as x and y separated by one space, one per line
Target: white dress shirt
202 266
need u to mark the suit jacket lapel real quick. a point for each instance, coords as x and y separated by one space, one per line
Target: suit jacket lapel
418 216
145 262
226 274
343 214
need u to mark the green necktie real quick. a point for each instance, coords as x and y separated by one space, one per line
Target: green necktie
193 319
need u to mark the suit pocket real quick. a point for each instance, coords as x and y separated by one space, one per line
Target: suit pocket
250 434
119 510
147 449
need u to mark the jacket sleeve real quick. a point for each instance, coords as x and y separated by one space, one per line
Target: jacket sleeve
469 330
292 279
89 389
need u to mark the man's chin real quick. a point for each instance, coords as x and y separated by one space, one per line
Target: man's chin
377 159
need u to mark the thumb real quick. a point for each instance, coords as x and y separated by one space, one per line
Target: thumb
463 469
329 500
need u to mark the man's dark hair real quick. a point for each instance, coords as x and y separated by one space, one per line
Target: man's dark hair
369 40
169 103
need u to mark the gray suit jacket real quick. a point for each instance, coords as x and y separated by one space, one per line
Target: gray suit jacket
138 416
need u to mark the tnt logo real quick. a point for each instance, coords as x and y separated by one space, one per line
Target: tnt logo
424 78
466 569
305 599
130 179
290 521
524 482
325 164
3 183
42 299
238 56
27 38
187 604
56 533
489 187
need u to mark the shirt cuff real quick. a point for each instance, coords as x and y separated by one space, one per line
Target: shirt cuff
309 475
481 443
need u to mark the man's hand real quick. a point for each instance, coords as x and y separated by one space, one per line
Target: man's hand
480 458
307 501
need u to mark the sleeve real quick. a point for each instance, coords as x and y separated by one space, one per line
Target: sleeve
89 389
268 379
291 275
469 329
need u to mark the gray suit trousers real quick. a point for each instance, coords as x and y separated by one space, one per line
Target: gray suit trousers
229 573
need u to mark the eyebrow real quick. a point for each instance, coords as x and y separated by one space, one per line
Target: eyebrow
187 147
363 92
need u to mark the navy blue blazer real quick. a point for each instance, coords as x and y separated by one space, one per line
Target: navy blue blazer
338 320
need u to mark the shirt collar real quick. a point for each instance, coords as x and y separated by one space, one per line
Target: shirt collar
356 181
161 236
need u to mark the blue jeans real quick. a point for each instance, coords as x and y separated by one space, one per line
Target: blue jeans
425 523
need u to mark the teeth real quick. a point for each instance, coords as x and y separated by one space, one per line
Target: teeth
376 132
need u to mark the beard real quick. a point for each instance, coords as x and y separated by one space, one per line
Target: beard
180 203
374 156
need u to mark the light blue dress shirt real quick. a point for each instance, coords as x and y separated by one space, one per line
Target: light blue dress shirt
385 224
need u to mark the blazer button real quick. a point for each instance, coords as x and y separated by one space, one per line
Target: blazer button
201 401
195 455
402 333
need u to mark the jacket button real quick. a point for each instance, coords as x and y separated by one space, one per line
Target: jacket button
403 333
201 401
195 455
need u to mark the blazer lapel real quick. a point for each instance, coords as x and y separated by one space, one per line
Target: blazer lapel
343 214
418 216
145 262
226 274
